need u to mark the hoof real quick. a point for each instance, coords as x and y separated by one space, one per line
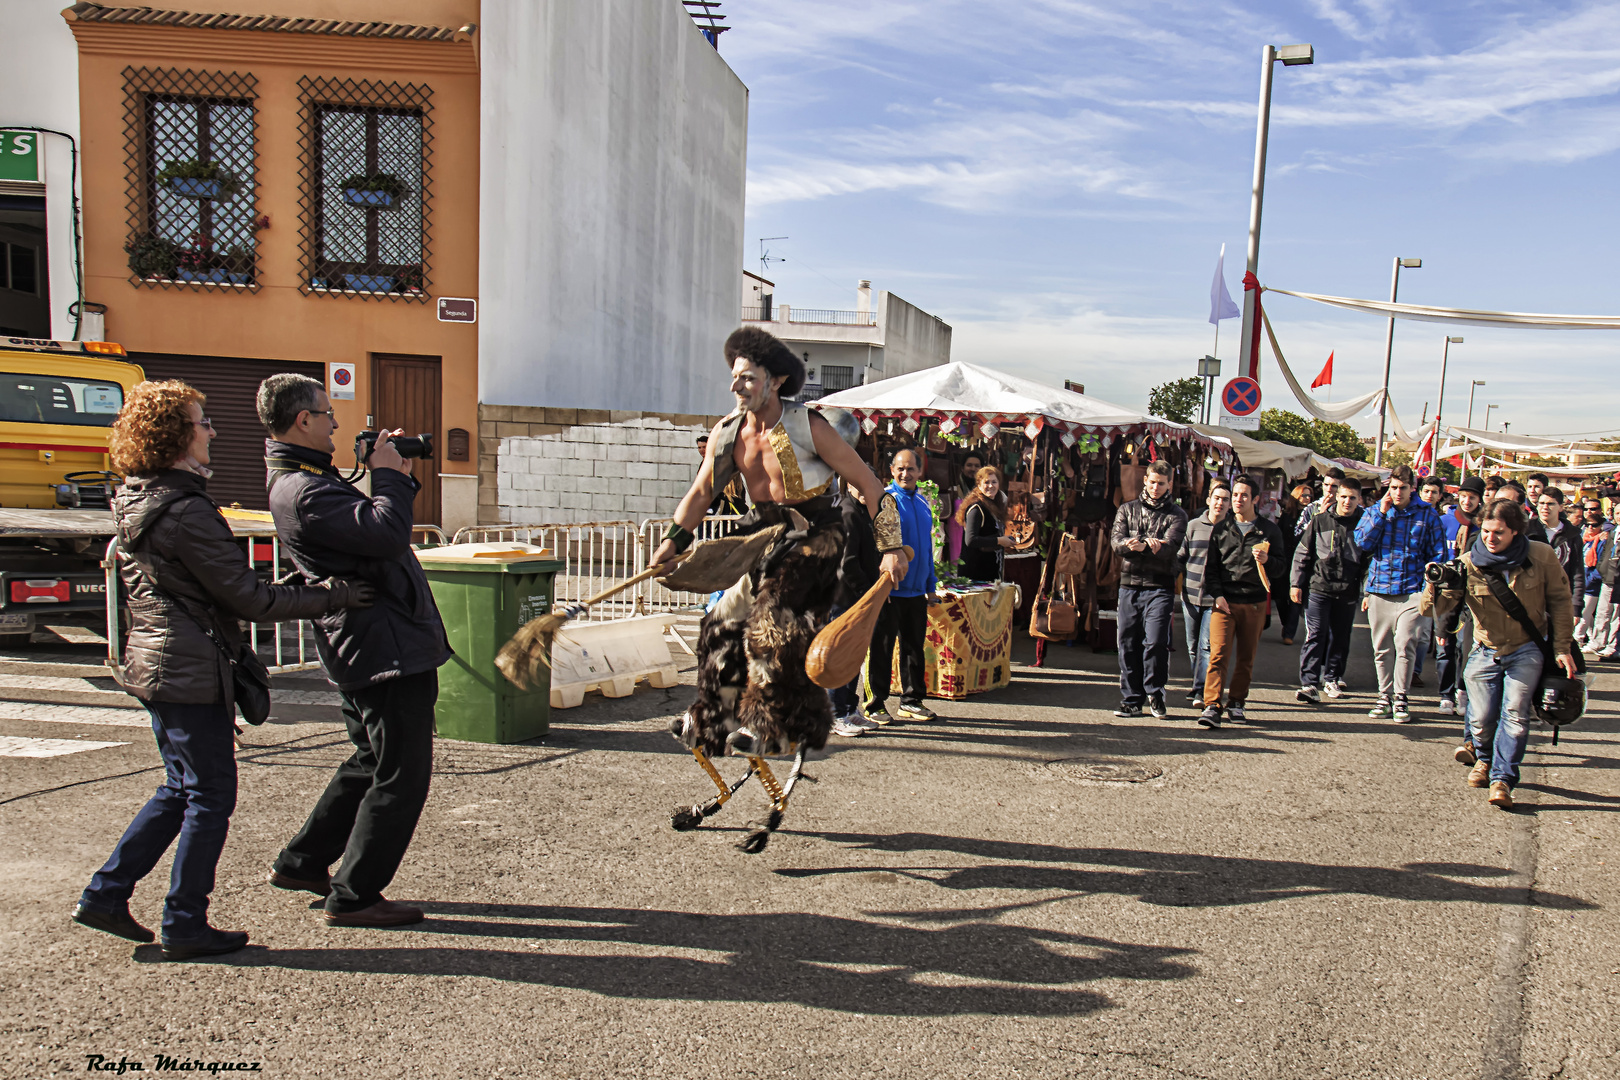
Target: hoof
686 818
755 841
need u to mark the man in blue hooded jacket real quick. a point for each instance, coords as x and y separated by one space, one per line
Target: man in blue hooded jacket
905 614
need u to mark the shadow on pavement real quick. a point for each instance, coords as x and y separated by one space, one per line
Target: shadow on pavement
794 957
1172 879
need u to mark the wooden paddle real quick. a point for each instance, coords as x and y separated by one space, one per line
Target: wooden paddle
839 650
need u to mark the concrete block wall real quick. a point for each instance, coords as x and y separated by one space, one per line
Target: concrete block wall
539 465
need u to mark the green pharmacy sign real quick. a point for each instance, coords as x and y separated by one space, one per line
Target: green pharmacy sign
19 155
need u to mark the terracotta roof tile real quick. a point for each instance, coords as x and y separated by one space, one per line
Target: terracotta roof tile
90 12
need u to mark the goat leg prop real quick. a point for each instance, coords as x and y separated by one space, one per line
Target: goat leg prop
686 818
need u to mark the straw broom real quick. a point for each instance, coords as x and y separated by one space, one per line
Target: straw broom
529 651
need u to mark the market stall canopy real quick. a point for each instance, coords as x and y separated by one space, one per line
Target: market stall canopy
1294 461
966 395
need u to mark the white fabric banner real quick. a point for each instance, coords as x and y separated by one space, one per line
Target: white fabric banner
1220 301
1597 469
1460 316
1336 413
1498 440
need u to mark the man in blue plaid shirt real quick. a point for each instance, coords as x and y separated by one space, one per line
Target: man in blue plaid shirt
1399 535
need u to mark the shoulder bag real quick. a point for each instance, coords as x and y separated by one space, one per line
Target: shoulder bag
1559 699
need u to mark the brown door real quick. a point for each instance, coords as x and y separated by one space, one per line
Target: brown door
405 394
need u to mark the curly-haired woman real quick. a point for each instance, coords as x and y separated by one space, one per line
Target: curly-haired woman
187 583
982 516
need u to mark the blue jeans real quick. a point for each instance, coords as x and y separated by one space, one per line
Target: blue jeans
1328 623
1501 704
194 803
1144 642
1195 620
1449 648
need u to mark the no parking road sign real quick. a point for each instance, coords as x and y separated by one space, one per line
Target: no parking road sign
1240 404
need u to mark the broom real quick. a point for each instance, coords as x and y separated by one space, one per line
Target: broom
522 658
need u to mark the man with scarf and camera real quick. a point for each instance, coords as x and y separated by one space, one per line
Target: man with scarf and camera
1503 570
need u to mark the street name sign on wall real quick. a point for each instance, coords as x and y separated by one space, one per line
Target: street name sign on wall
458 309
19 156
1240 404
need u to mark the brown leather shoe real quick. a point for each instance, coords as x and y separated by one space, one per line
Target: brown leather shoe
323 887
382 913
1502 795
1480 774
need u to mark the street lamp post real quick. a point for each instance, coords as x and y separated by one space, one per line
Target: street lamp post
1476 384
1389 352
1488 409
1291 56
1440 402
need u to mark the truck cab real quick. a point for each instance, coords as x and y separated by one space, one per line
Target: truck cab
58 400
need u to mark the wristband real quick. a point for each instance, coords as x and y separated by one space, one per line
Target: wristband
682 537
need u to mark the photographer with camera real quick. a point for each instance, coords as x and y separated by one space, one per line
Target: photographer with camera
1519 597
384 660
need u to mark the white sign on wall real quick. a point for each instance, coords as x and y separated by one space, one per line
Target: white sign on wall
340 382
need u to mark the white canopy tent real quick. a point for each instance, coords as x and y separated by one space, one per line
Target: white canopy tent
961 395
1294 461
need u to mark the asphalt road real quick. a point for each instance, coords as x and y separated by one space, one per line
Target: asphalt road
1315 894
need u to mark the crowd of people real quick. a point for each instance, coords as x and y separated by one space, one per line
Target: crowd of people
1500 595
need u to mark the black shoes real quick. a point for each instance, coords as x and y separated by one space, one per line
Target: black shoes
322 887
1210 717
118 923
210 942
382 914
1156 707
1127 711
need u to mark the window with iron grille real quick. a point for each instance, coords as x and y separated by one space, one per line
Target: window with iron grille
366 188
189 144
836 377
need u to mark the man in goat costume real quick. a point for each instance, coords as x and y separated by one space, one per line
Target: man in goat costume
754 697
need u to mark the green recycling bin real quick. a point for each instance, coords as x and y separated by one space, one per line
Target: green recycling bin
485 593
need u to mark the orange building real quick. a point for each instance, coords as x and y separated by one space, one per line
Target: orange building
269 193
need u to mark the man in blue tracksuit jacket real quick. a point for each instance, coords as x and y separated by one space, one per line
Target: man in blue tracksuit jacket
905 615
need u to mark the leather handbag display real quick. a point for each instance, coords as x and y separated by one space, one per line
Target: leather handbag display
1071 560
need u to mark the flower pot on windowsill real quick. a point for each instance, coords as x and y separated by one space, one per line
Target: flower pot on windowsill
192 188
217 274
382 200
369 282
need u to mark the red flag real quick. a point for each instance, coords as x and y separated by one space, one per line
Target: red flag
1326 378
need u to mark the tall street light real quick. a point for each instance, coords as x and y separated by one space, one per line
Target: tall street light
1291 56
1475 385
1488 409
1389 352
1440 400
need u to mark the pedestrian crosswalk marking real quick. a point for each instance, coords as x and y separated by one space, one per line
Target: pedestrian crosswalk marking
74 714
18 746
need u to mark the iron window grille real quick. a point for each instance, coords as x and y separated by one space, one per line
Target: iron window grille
366 203
189 151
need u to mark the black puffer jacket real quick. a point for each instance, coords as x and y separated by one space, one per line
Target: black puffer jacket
1140 519
1327 560
1232 571
334 530
173 535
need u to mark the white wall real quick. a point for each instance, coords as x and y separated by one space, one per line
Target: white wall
912 338
632 470
39 87
613 153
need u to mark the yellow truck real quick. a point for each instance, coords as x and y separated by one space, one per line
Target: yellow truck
57 404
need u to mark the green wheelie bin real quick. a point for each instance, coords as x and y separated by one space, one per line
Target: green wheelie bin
485 593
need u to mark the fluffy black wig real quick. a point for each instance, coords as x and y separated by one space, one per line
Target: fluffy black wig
767 350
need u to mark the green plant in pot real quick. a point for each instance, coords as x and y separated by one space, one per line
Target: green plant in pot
380 189
194 179
151 256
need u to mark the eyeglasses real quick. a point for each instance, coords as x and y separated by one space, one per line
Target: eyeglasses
204 423
329 413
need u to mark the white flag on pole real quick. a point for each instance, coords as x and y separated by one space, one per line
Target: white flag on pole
1220 301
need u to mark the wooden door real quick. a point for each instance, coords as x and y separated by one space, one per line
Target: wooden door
405 394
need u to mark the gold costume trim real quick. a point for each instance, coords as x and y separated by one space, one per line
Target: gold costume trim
788 461
886 526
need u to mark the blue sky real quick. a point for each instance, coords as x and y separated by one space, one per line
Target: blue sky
1055 179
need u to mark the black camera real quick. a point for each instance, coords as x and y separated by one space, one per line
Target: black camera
1451 574
409 446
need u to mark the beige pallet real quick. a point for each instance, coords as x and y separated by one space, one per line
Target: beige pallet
566 697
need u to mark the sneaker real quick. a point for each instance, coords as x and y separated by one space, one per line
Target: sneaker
1501 795
1401 714
865 723
1156 707
1195 699
1332 689
1381 710
1480 774
1127 711
847 727
1448 708
1464 754
1210 717
1308 695
1609 658
877 714
1234 714
1417 678
916 712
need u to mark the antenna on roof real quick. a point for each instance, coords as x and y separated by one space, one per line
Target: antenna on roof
765 256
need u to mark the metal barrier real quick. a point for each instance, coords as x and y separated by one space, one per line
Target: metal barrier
432 535
652 597
599 554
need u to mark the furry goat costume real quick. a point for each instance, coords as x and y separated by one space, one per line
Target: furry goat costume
753 644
